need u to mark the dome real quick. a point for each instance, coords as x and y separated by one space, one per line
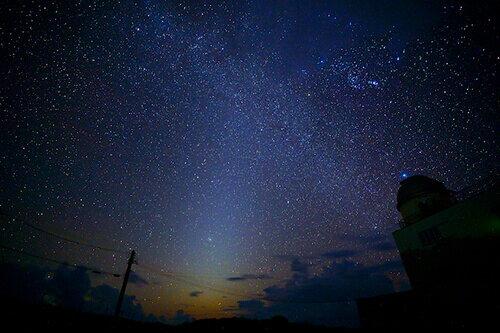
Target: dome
415 186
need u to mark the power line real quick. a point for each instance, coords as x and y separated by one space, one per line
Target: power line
171 275
236 276
195 284
225 292
93 270
83 243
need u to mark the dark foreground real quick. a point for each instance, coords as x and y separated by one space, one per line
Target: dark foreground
50 318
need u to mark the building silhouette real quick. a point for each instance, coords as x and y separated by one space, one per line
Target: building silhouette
450 245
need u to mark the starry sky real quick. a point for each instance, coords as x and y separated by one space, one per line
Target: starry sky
250 151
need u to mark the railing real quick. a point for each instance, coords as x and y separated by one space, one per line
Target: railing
469 191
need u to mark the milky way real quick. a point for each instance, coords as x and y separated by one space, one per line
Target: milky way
239 139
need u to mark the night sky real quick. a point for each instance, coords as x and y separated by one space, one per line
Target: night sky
249 150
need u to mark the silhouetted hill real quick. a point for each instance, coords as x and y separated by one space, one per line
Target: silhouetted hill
277 324
50 318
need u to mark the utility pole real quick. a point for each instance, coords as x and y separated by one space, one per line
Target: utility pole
124 285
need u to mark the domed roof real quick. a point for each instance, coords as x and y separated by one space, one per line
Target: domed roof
417 185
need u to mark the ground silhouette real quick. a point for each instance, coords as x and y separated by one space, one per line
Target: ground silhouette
47 317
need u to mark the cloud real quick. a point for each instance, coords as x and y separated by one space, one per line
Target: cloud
344 280
64 286
299 267
138 280
249 277
67 287
70 287
326 298
180 317
25 283
195 293
340 254
102 299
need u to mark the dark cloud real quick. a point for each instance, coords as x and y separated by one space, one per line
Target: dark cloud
181 317
340 254
66 287
102 299
326 298
137 279
249 277
232 308
195 293
69 286
299 267
63 286
236 278
23 282
344 280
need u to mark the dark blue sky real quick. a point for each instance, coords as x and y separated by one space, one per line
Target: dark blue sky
240 139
